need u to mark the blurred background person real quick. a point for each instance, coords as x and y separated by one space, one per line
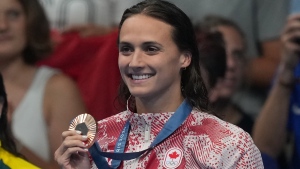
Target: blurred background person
84 33
279 120
41 100
222 92
9 156
262 22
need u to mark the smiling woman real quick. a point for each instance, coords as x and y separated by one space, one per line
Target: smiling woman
41 100
150 62
166 124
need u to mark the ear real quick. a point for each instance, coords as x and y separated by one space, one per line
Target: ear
185 59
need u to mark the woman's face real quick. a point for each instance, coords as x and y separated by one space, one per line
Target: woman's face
234 44
12 29
149 60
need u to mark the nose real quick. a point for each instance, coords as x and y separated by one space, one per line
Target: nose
137 60
3 23
231 62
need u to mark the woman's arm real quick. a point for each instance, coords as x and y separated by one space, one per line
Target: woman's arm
62 103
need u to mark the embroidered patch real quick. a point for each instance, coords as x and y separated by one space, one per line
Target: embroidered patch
173 158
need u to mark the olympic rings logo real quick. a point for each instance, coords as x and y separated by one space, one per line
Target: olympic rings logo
171 163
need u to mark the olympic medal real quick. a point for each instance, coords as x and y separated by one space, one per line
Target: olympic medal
87 125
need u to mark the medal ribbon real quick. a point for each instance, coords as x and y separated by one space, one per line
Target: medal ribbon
118 155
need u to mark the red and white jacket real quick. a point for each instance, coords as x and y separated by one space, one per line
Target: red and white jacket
202 141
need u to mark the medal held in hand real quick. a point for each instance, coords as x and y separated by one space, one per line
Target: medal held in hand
87 125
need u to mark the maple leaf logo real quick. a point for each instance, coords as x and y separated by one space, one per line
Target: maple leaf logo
173 155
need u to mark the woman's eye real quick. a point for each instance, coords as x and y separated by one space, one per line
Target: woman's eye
13 14
125 50
239 55
152 50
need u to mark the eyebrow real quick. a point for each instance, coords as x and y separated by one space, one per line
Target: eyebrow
144 43
153 43
124 43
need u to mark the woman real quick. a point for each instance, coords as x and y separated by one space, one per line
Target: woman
159 64
9 156
222 93
278 123
41 100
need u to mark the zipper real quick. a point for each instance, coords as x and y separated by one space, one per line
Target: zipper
147 132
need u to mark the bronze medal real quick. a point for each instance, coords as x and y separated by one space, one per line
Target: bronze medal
87 125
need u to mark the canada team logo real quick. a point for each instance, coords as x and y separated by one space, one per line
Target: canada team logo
173 158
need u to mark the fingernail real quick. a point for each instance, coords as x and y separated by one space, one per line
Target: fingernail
78 132
84 137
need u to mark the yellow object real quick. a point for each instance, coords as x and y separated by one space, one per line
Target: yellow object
8 160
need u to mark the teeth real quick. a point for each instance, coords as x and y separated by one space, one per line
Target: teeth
140 77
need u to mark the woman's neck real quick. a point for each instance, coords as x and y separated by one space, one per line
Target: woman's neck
158 105
17 71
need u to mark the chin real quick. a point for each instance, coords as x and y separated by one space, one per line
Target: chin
9 52
138 93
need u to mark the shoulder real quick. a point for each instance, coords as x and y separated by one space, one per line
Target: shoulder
61 88
205 119
53 78
218 131
60 81
62 94
226 142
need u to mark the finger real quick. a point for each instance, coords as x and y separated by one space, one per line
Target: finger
70 144
291 23
70 133
293 17
291 41
61 158
72 139
291 26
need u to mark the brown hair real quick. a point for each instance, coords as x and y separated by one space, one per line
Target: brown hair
192 84
37 32
211 22
6 137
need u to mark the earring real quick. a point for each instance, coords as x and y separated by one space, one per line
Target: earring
127 103
184 68
130 104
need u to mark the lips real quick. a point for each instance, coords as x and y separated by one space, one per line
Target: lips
4 38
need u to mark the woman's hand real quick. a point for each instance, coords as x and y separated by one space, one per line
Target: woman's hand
72 153
291 42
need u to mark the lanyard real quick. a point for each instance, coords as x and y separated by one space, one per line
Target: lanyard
171 125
